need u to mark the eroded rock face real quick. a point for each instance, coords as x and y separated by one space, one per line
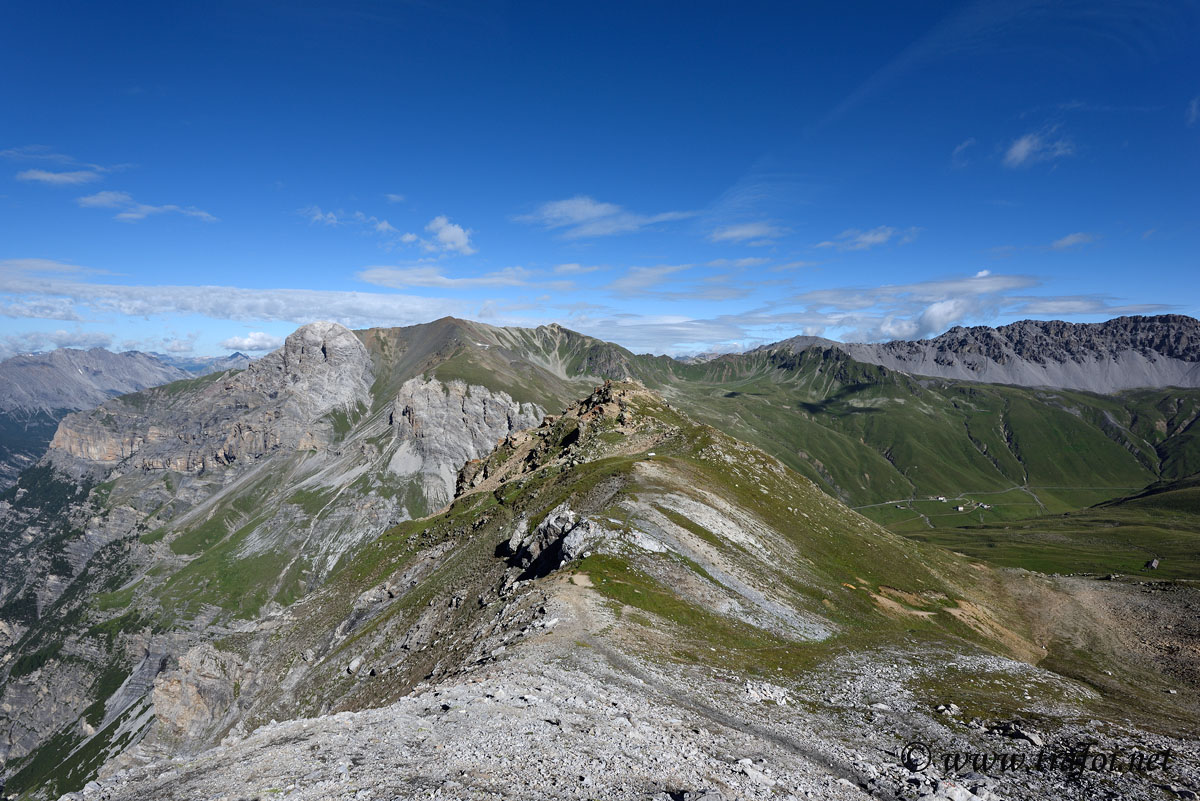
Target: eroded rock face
444 425
195 698
276 403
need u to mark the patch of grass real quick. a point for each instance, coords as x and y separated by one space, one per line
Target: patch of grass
151 537
201 537
311 501
118 599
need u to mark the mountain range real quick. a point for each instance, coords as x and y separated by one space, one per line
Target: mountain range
454 556
38 389
1122 353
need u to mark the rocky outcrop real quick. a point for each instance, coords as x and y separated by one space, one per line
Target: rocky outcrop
276 403
1123 353
560 538
200 694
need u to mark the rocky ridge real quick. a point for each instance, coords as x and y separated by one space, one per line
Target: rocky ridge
555 633
1122 353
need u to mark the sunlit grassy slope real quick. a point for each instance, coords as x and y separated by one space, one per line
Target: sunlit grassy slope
1120 536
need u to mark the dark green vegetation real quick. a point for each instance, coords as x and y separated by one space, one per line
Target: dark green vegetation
24 435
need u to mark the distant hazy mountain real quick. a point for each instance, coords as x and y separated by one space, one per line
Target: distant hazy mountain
203 365
1123 353
38 389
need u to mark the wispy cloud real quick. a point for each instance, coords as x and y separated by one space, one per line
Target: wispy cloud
33 341
582 216
857 239
62 291
1037 146
1072 240
577 269
315 214
1192 114
73 173
750 261
70 178
958 158
394 198
253 341
751 230
129 210
639 279
184 344
431 276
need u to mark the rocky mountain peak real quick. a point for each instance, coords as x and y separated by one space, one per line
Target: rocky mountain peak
314 346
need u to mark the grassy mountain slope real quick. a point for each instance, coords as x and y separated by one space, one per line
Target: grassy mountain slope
703 551
878 439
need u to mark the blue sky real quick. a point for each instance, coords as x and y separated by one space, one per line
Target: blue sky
675 177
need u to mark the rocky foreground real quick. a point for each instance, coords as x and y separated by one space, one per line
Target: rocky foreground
564 712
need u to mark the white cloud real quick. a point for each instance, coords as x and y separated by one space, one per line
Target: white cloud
70 178
1038 146
394 198
746 262
576 269
316 215
367 223
34 341
583 216
88 299
36 153
185 344
957 158
255 340
404 277
743 231
640 279
1072 240
794 265
1193 111
132 211
448 236
856 239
